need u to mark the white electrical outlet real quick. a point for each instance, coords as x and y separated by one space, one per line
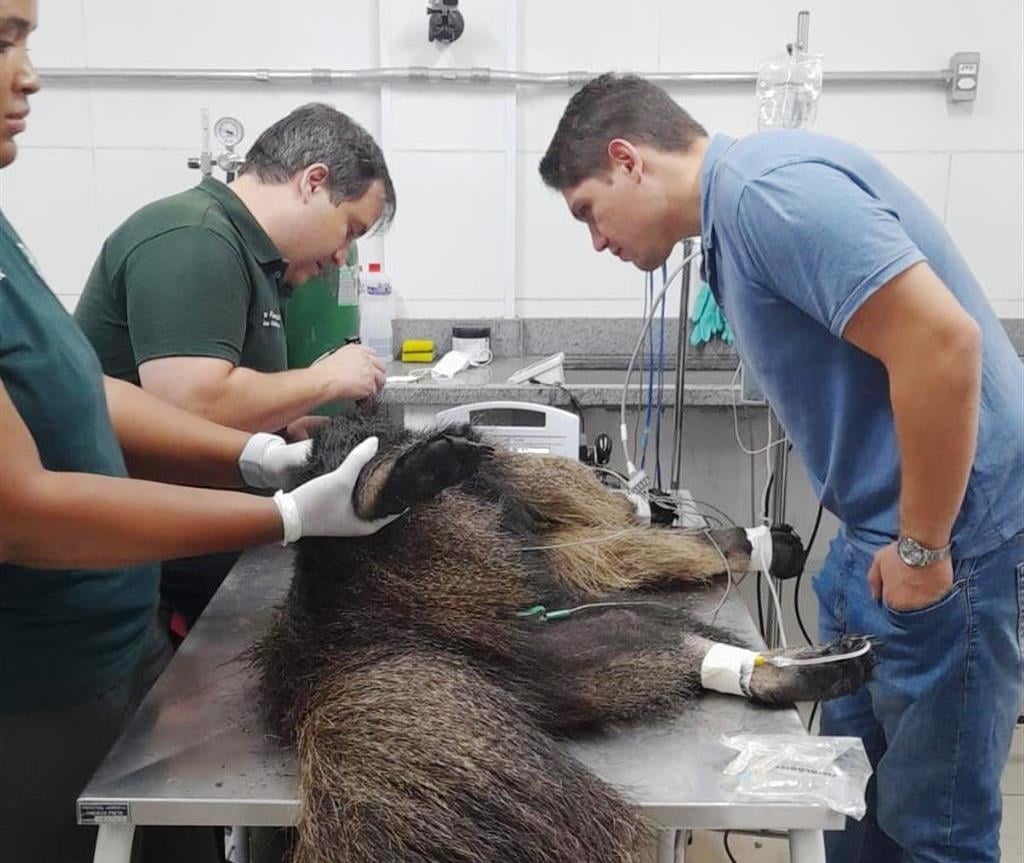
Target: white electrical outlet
965 66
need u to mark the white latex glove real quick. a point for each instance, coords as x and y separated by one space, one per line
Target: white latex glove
323 506
268 462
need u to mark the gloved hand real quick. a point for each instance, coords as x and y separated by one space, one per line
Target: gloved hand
323 506
268 462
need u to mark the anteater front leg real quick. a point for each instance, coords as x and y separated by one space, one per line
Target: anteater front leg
601 665
418 471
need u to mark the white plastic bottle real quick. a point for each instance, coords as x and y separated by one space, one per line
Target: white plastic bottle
376 312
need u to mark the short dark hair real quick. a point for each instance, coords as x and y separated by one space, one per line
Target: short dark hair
316 132
613 106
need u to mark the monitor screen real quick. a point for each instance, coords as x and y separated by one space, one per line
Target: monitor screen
515 417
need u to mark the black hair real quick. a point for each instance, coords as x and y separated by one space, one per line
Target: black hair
316 132
613 106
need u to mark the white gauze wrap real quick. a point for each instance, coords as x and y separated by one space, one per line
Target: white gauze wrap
250 462
728 669
760 539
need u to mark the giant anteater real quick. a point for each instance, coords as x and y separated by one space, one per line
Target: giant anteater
425 706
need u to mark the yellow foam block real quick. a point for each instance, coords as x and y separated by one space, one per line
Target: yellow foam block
418 346
417 356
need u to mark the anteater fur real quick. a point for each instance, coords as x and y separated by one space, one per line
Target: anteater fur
426 711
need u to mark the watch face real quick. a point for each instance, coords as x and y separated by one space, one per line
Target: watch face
911 553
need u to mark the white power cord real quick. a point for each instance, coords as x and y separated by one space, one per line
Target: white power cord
793 661
736 423
760 539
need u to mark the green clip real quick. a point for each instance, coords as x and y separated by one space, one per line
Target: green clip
538 611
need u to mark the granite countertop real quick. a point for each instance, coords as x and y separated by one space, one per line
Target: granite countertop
596 351
590 387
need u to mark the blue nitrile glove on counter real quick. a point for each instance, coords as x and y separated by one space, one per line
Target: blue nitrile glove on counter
708 320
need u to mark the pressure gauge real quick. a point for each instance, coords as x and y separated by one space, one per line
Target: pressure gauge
229 131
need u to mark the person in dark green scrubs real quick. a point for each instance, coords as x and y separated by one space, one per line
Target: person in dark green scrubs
187 297
78 591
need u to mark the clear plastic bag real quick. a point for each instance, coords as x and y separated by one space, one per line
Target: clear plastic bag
797 768
788 87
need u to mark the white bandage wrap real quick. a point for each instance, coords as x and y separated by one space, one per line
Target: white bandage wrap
728 669
641 508
250 462
760 539
289 517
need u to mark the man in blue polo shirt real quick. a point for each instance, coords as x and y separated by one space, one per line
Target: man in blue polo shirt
902 394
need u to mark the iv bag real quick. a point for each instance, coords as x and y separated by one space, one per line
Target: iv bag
788 86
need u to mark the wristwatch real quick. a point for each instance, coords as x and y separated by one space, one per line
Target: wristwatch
912 553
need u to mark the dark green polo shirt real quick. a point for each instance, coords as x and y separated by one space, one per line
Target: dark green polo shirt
65 635
192 275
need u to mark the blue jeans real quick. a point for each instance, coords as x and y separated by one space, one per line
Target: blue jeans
938 716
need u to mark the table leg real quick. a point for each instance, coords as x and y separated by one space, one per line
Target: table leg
806 846
667 846
682 840
114 843
240 844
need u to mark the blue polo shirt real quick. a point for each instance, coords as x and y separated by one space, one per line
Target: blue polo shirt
799 229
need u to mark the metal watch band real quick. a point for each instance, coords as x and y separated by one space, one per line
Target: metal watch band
912 553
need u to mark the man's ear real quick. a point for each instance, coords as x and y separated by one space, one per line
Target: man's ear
623 156
312 179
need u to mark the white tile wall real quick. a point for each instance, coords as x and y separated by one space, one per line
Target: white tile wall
986 215
465 119
926 173
604 34
173 33
448 146
49 195
728 36
59 118
444 253
127 180
60 37
148 117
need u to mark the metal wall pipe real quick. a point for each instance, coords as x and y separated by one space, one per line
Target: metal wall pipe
424 74
676 470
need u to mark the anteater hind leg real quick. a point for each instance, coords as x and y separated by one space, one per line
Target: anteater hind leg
623 663
592 539
600 546
422 759
601 560
418 471
561 492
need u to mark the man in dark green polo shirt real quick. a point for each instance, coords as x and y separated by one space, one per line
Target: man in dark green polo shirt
187 296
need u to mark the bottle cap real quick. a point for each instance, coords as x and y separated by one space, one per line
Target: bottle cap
374 268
